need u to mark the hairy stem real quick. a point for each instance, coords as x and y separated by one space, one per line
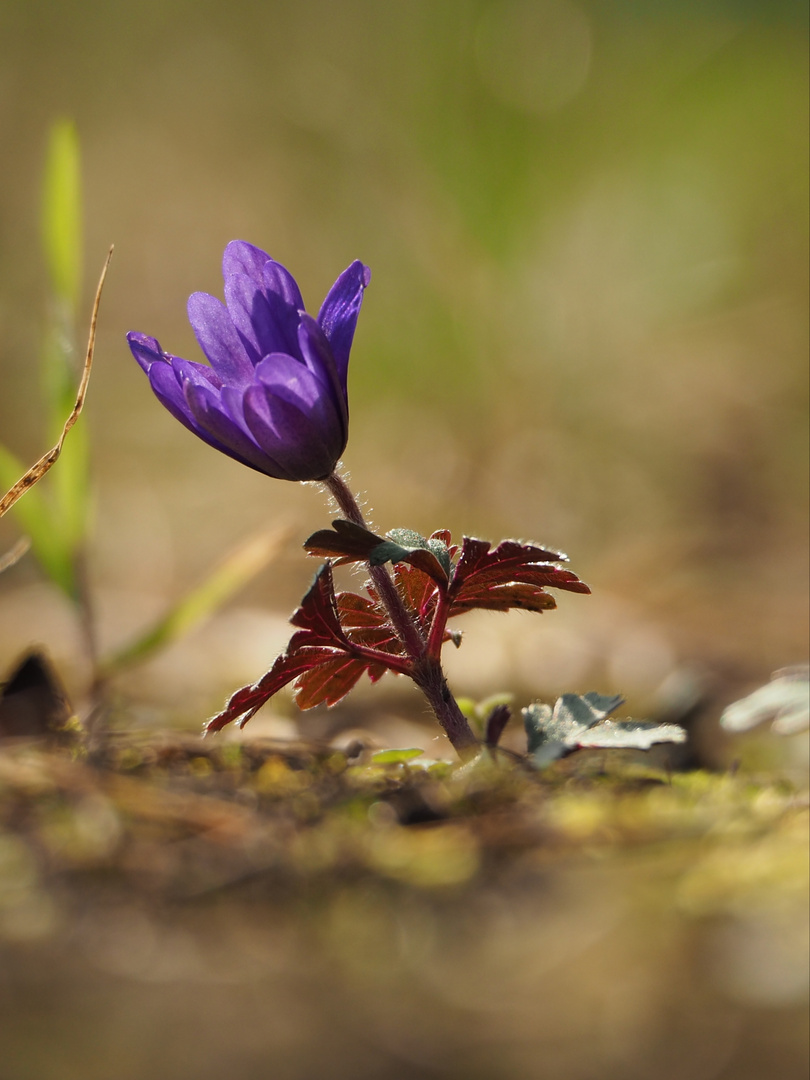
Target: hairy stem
429 677
426 670
403 623
438 626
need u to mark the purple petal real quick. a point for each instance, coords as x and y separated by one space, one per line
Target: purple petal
320 361
338 315
218 339
265 322
267 274
308 450
145 349
170 393
191 371
216 427
170 390
291 380
243 258
279 280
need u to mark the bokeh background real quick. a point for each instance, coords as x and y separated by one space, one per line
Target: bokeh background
587 325
587 222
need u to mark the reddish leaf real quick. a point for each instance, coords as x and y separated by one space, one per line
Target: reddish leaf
425 561
319 656
366 623
247 701
318 613
418 591
345 540
511 575
446 538
504 597
357 610
329 682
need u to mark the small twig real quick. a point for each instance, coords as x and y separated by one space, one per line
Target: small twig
37 471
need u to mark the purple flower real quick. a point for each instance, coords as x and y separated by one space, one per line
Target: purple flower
275 395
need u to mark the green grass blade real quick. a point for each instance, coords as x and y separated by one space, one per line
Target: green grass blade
235 570
62 215
36 519
62 244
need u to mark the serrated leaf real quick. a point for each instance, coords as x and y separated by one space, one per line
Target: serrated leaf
579 721
318 613
511 575
396 757
359 611
418 590
323 658
247 701
366 623
504 598
329 682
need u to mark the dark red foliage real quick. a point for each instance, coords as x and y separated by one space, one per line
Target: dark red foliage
512 575
340 637
324 655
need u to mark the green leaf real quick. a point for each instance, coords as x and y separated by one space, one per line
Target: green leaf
70 485
578 722
407 538
395 757
432 557
632 734
62 244
35 517
61 220
408 541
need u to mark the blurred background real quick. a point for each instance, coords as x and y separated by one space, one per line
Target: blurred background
587 222
587 325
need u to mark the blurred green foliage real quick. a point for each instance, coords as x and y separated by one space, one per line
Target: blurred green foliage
55 514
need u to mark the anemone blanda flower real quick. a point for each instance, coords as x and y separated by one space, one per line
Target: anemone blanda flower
274 396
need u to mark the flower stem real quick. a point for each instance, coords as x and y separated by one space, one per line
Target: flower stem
404 625
429 677
425 668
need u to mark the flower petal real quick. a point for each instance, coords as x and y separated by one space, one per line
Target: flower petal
338 315
320 360
265 321
218 428
279 280
145 349
240 257
218 339
291 380
308 450
267 274
191 371
169 391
